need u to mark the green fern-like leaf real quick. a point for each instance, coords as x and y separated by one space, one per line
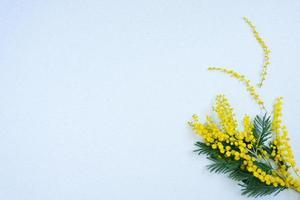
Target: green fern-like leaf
252 187
239 175
267 168
202 148
223 166
262 130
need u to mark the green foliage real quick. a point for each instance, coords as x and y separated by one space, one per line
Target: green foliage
223 165
252 187
267 168
202 148
239 175
262 130
267 149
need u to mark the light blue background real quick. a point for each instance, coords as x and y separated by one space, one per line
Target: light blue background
95 95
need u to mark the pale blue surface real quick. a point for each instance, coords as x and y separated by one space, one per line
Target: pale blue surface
95 94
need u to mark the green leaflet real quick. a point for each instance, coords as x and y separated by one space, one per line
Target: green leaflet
262 130
252 187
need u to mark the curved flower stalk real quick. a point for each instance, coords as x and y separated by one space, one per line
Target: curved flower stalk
259 155
265 48
251 89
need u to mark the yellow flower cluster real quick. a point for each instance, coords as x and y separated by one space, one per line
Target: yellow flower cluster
248 127
226 115
284 159
238 144
281 149
277 114
265 49
251 89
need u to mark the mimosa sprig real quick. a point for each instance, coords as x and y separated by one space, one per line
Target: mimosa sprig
259 156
